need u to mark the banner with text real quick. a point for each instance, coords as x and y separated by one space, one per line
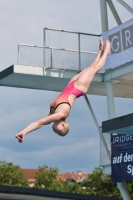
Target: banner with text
122 158
121 38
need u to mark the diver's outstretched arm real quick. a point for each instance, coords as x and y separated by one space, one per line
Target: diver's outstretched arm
38 124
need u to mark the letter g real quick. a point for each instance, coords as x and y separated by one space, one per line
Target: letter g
115 42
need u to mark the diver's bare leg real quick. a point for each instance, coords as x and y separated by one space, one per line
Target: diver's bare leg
99 54
85 77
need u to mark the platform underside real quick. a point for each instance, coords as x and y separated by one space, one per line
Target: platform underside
20 76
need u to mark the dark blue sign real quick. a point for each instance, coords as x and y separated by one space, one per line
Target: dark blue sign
122 158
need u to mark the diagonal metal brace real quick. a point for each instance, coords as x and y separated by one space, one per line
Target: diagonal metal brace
114 12
98 127
125 5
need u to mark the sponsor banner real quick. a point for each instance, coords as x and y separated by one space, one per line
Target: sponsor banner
122 158
121 38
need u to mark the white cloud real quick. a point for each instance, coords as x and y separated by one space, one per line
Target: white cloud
55 154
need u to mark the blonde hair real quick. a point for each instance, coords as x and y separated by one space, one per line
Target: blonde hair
66 128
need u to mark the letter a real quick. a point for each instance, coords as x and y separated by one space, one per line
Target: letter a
114 160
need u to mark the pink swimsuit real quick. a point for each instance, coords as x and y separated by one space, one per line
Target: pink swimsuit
63 97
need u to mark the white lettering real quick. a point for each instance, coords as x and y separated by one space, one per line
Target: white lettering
120 157
123 138
129 158
116 139
125 158
114 160
127 37
117 159
129 169
117 43
127 137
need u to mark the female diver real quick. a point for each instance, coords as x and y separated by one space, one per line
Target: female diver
77 86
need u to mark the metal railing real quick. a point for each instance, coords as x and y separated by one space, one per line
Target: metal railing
31 55
61 49
70 50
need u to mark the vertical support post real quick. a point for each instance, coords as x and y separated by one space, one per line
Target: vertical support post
51 58
79 52
110 100
104 16
109 90
44 47
18 54
111 114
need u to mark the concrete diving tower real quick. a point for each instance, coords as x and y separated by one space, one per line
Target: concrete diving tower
40 78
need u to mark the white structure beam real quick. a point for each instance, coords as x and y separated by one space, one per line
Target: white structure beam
118 72
106 169
104 16
124 191
125 5
41 78
110 100
111 114
44 47
114 12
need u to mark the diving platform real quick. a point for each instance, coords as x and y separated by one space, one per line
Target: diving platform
21 76
119 125
40 78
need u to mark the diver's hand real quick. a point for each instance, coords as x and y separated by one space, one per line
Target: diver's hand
107 47
101 45
101 48
20 137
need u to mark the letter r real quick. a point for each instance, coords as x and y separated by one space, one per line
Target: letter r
127 37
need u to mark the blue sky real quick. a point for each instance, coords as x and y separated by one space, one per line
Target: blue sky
23 22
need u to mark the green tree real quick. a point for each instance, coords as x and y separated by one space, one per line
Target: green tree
100 185
11 174
46 178
69 187
129 186
96 184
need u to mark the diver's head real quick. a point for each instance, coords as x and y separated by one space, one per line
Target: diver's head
61 127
